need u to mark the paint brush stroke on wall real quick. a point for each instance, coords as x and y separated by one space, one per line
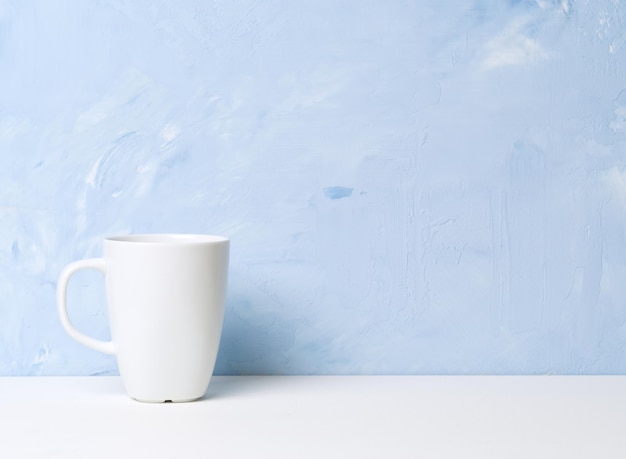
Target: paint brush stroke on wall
410 187
338 192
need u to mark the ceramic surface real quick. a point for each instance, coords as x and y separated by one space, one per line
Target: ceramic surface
166 297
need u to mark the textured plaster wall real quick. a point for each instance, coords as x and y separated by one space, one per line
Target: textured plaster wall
409 186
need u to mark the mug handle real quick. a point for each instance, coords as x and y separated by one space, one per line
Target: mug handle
90 263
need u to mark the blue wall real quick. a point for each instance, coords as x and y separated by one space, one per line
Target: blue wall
409 186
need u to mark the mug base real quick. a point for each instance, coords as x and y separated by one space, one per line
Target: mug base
180 400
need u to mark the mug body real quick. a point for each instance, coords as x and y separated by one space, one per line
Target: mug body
166 296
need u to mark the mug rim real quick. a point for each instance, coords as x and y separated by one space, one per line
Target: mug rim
167 238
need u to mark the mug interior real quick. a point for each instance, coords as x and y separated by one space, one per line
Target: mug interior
168 238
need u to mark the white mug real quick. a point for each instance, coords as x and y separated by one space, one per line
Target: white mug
166 296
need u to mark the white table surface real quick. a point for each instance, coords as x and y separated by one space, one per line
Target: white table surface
320 417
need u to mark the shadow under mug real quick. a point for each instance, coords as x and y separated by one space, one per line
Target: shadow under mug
165 297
